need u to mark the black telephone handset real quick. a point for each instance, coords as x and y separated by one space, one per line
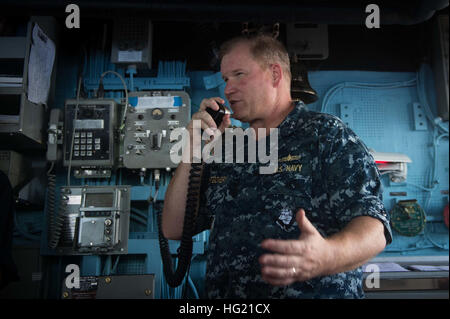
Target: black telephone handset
190 225
219 114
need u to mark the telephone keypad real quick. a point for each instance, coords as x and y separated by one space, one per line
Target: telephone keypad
86 144
92 135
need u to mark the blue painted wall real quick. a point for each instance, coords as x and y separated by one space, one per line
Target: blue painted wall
383 118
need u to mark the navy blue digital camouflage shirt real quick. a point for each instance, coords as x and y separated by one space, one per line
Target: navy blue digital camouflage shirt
324 168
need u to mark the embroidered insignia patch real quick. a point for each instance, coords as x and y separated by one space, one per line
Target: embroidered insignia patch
286 220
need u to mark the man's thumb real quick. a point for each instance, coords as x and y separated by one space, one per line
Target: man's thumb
303 222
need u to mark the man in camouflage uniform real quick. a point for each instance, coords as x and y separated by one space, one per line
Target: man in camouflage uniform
303 231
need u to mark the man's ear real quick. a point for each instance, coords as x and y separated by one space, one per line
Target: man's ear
277 74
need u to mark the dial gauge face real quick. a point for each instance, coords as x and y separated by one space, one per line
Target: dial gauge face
157 114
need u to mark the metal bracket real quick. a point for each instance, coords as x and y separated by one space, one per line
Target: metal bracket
346 114
420 121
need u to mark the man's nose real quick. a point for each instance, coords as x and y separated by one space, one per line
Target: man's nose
229 88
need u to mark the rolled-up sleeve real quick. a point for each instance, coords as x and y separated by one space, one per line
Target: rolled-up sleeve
352 178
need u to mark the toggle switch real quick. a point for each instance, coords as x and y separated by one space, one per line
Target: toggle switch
156 141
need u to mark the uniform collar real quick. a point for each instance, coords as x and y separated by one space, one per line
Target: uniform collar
289 124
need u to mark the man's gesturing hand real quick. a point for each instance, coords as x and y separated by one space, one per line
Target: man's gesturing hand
296 260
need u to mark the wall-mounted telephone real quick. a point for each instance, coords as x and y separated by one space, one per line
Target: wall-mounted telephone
191 226
87 131
90 137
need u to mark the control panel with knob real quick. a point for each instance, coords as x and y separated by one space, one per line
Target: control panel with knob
151 117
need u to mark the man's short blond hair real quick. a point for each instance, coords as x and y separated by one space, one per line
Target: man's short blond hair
265 50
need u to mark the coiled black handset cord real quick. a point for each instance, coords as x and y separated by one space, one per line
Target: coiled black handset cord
174 279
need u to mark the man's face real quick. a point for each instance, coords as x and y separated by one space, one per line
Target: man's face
249 88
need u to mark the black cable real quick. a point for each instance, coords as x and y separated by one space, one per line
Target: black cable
186 282
174 278
55 224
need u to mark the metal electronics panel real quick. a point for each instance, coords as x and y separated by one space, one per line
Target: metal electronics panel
95 220
150 120
112 287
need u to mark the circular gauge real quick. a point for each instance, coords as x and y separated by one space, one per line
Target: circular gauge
157 114
408 218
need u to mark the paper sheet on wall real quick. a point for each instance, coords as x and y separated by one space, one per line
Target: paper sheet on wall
40 66
151 102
